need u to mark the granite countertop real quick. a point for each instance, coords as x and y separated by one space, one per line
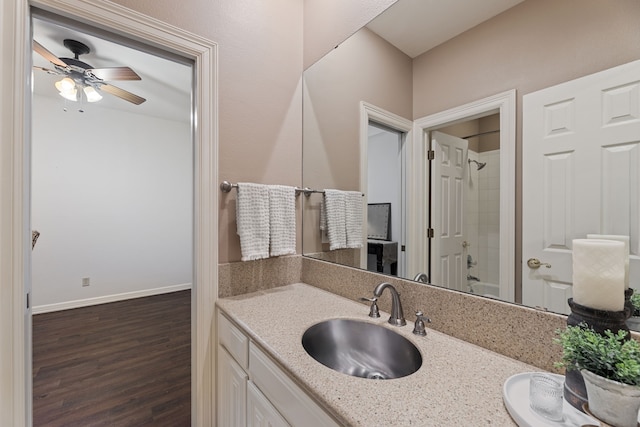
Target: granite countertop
458 384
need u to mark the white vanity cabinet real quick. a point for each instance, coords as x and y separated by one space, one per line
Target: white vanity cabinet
232 391
253 391
260 412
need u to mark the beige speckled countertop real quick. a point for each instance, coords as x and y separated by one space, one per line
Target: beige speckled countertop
458 384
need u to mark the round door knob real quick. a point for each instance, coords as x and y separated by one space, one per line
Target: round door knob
536 263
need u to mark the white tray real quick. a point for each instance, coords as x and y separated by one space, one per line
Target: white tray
515 393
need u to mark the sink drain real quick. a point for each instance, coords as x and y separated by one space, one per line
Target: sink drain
376 376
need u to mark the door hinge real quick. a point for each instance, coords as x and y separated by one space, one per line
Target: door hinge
402 248
28 301
431 155
430 233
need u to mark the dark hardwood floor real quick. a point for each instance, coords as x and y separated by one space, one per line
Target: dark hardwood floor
125 363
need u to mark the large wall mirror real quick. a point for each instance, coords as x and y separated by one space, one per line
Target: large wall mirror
400 88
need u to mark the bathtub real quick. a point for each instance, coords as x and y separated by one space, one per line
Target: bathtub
485 289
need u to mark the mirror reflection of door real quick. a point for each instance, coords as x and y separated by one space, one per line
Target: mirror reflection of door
386 184
465 250
581 161
448 202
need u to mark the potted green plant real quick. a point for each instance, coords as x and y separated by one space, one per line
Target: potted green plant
610 366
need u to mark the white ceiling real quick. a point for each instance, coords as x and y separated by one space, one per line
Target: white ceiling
416 26
165 84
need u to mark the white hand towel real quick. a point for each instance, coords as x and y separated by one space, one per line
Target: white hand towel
353 218
252 219
323 222
282 219
334 204
323 215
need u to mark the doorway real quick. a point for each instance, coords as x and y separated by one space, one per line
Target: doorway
385 194
479 248
395 134
15 227
112 199
502 104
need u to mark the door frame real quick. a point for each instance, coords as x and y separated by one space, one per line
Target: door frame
15 170
370 112
505 104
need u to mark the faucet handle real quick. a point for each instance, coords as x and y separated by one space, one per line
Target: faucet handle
418 327
373 311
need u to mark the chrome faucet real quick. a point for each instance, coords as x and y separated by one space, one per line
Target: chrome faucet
421 277
418 327
470 262
397 316
373 311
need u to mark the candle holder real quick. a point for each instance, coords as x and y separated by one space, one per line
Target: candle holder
575 391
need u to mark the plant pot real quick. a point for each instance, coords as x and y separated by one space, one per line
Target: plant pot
634 323
612 402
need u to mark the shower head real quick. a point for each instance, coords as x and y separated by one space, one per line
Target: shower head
480 165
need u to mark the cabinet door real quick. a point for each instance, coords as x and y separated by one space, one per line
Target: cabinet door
288 399
260 412
232 391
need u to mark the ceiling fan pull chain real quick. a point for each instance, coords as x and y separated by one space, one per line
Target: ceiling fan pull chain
81 99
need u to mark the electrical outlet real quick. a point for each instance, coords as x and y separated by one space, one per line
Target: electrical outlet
86 281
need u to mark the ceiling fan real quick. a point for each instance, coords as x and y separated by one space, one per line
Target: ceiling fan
80 75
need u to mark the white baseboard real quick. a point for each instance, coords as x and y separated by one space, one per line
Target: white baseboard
48 308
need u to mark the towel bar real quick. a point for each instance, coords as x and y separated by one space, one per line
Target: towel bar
226 187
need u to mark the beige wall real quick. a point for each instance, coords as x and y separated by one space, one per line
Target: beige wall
363 68
536 44
260 108
260 67
478 143
327 23
261 57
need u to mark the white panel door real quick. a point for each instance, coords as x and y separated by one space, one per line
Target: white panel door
447 210
581 171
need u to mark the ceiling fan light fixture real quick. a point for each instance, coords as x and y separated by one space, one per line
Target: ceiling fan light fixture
92 94
65 85
67 89
84 78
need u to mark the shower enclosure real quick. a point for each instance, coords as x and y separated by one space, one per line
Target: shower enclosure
483 220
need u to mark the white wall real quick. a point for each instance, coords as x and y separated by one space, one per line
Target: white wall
384 179
472 216
489 217
112 199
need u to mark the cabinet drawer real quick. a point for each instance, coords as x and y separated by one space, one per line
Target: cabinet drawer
293 403
234 340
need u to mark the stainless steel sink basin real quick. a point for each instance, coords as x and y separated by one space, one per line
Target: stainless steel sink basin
361 349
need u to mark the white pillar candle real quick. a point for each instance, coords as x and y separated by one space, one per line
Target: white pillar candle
598 274
619 238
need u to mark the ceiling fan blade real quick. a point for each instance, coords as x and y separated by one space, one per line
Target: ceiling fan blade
121 93
48 70
38 48
115 73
